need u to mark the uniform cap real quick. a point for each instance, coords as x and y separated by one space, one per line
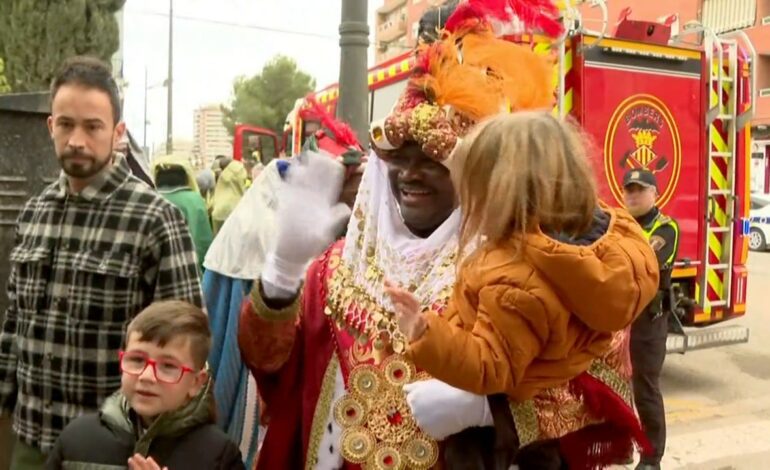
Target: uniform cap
643 178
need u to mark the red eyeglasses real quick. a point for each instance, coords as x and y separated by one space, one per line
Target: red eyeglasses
165 370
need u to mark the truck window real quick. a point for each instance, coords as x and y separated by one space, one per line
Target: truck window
262 144
759 203
385 98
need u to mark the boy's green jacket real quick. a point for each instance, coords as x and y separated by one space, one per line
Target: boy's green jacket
183 439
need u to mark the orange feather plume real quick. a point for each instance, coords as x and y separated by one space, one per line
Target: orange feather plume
480 75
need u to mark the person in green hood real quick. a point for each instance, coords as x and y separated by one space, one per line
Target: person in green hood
175 180
163 417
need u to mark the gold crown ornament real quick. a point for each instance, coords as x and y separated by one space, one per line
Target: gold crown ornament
644 138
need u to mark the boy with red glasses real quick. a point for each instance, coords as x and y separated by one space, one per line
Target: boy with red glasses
163 415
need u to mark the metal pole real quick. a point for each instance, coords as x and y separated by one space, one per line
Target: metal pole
169 114
144 141
354 41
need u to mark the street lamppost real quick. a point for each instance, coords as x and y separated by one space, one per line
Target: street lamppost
146 89
354 41
169 118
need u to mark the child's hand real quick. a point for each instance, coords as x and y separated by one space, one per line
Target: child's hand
410 319
138 462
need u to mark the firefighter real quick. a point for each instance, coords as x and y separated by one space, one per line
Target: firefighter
649 331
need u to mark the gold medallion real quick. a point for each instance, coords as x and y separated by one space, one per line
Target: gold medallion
357 445
350 411
391 420
386 457
365 381
397 371
420 452
380 432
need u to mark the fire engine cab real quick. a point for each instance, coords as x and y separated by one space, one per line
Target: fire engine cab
652 100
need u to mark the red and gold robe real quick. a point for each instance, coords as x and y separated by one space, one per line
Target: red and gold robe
298 355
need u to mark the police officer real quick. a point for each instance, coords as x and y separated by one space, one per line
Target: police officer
649 331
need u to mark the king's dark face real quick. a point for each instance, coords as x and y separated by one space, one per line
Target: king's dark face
423 189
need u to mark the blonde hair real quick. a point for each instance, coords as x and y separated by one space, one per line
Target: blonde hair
519 172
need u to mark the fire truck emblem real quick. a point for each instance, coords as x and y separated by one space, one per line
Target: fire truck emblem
644 131
642 134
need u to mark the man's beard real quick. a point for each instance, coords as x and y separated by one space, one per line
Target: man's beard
89 167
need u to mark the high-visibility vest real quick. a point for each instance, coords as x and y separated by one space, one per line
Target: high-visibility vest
661 221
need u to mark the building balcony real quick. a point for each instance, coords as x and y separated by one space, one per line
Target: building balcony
760 38
387 54
729 15
390 6
762 114
391 29
762 67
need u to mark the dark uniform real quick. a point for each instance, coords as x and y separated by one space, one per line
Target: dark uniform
649 331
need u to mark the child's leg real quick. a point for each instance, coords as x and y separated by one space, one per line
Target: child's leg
472 449
543 455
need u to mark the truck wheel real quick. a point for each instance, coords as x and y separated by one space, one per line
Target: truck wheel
757 240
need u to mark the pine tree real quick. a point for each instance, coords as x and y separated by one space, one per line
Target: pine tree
267 98
36 36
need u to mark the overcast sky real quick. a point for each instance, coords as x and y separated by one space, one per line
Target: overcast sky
208 55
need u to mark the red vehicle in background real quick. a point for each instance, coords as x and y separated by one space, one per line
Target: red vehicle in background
681 112
248 139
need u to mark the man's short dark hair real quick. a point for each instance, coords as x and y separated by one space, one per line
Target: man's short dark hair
88 72
164 321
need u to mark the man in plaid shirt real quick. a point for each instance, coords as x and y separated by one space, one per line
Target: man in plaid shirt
92 250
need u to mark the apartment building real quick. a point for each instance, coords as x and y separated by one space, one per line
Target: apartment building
396 26
210 136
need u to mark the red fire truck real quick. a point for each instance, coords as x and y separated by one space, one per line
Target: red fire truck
650 100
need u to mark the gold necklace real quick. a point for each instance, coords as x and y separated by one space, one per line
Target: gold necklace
355 311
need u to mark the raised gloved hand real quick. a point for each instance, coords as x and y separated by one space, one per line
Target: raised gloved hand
442 410
308 218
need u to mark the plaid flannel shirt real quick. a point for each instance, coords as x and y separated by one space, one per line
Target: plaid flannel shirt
83 266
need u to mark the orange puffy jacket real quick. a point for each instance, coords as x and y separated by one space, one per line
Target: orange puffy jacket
518 326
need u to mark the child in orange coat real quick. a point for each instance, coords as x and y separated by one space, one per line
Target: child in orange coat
548 274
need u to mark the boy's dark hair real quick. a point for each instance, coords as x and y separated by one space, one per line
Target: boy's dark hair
88 72
165 321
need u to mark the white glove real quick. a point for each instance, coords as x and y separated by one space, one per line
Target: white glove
308 218
442 410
